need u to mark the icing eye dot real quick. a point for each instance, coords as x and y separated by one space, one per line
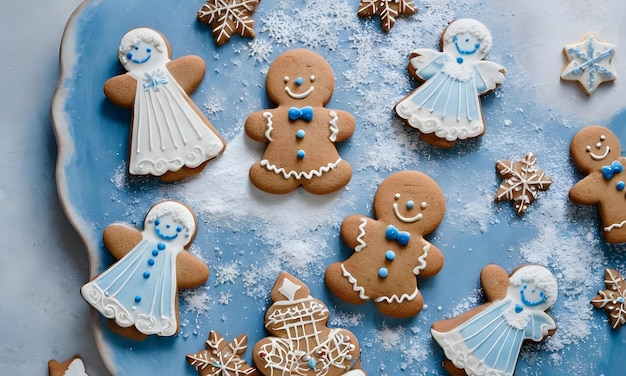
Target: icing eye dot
467 39
397 196
179 229
410 204
157 222
588 149
167 226
312 78
477 45
423 205
602 138
136 48
148 50
286 79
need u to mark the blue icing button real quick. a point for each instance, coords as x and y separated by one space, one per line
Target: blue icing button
146 275
137 298
390 255
383 272
518 308
301 154
150 262
161 246
155 253
300 134
620 186
459 60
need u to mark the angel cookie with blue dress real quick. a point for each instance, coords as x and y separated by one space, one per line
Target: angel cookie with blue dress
139 291
170 137
446 107
487 339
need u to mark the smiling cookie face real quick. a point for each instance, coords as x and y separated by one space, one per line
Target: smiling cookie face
300 76
172 222
467 39
533 287
143 49
594 147
410 200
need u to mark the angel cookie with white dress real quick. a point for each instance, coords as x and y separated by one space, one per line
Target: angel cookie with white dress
170 137
446 107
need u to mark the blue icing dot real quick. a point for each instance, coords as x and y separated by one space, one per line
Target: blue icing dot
518 308
150 262
300 134
620 300
146 275
155 253
620 186
301 154
383 272
161 246
390 255
312 363
298 81
410 204
459 60
137 298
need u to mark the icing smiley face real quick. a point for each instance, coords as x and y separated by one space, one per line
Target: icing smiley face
466 44
166 228
411 212
594 147
299 91
142 49
531 295
171 222
140 53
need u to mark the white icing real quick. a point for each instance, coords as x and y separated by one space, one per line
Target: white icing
355 285
269 125
76 368
300 174
397 299
359 238
422 259
333 125
404 219
302 95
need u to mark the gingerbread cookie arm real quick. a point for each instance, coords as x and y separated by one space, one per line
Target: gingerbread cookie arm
120 238
258 126
583 192
190 271
433 260
352 229
121 90
344 124
188 72
494 280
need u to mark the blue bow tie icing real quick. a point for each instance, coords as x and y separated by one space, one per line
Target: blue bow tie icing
153 80
612 169
304 113
402 237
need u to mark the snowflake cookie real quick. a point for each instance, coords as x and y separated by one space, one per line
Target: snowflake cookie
228 17
446 107
487 339
521 182
221 358
301 343
595 151
390 251
388 10
613 299
590 63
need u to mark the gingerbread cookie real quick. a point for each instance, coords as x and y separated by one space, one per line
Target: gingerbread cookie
613 298
590 63
301 343
487 339
170 137
221 358
227 17
388 10
390 251
71 367
446 107
595 151
140 290
521 182
300 133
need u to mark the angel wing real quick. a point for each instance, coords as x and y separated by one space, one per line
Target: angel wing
489 75
425 62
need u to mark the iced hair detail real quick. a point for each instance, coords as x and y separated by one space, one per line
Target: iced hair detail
131 38
472 27
542 278
179 212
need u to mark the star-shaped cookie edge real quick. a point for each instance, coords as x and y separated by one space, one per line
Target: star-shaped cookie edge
587 82
612 299
227 17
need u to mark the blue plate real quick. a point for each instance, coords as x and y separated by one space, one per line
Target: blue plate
247 236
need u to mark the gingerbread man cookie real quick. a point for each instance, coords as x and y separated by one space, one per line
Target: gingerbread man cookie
301 343
300 133
140 290
595 151
390 251
487 339
170 137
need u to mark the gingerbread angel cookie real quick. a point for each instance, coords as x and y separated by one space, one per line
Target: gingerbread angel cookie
487 340
170 137
139 291
301 343
446 107
300 133
390 251
595 151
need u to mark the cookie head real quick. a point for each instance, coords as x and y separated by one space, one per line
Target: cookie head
593 147
300 76
171 222
410 200
467 39
143 49
533 287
